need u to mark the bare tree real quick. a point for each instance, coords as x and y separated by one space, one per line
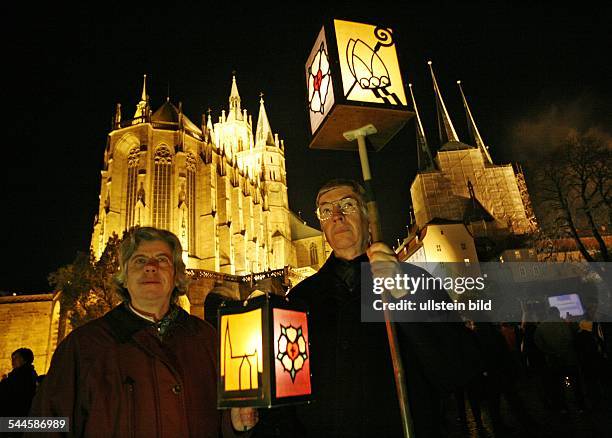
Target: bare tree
573 193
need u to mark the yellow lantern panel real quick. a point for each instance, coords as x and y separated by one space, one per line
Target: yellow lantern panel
241 350
368 63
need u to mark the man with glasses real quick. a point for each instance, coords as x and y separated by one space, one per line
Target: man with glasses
146 368
353 379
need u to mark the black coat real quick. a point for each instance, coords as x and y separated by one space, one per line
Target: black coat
352 374
17 391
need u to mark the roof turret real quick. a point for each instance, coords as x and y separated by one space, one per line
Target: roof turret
263 134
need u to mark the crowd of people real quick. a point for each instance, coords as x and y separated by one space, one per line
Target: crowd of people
570 362
148 368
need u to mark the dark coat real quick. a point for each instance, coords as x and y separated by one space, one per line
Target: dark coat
352 373
115 377
557 342
17 391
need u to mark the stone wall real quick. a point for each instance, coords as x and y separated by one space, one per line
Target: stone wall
29 321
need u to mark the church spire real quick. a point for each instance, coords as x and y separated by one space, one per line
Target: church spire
445 126
142 108
479 143
263 133
117 120
234 100
143 95
425 161
209 124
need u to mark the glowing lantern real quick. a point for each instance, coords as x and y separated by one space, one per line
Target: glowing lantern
264 353
353 79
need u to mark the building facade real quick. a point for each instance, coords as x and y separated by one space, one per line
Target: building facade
31 321
461 188
462 183
220 187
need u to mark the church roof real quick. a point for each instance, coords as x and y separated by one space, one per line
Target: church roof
443 221
475 211
455 146
26 298
168 114
299 229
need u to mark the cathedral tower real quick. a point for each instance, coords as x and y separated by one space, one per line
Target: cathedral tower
463 184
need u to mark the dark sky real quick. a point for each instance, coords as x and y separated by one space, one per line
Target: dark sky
64 71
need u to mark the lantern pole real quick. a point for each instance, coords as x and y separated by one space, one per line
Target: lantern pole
376 233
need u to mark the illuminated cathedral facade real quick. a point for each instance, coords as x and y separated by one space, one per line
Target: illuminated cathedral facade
221 187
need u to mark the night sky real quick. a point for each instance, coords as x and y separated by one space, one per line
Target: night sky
530 74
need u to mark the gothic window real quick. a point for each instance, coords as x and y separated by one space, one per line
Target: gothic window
190 165
314 257
161 187
101 236
132 186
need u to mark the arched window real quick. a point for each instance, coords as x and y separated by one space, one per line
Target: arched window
161 187
132 186
102 221
314 256
190 165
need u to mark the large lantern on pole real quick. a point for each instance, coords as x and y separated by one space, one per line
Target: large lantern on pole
353 79
355 90
264 353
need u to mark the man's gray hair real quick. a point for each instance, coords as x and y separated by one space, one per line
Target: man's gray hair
341 182
130 244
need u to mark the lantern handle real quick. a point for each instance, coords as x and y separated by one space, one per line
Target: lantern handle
256 293
376 235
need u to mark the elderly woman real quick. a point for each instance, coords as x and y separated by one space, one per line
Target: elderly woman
146 368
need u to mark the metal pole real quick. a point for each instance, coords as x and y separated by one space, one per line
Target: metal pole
376 233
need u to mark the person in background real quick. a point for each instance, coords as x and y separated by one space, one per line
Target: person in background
18 387
556 339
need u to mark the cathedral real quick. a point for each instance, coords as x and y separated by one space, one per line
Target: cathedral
463 195
221 187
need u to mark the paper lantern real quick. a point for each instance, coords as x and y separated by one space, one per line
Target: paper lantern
264 353
353 79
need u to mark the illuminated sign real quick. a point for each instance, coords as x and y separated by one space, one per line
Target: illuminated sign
368 63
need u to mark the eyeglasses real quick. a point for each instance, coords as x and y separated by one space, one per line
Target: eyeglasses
142 260
346 205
